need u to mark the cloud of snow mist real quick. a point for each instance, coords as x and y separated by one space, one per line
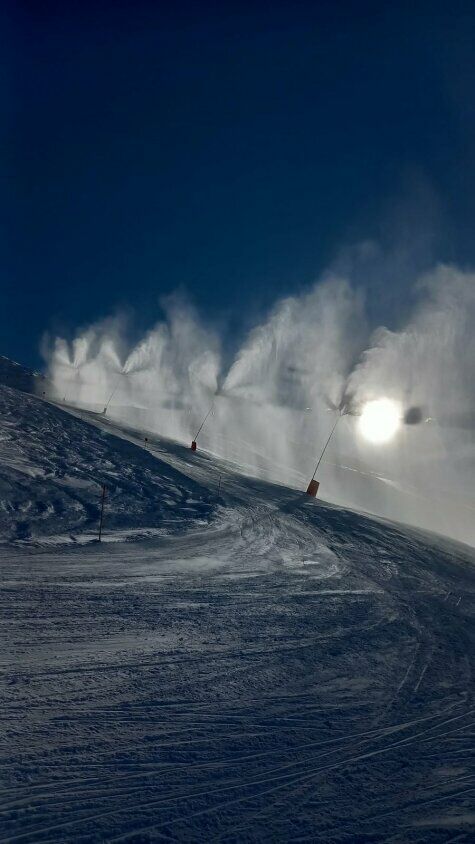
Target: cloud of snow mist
275 405
157 383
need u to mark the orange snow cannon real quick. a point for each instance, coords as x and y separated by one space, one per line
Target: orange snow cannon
312 488
193 445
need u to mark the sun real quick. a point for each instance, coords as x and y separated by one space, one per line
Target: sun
380 419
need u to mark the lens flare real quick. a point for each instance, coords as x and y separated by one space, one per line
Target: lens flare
380 420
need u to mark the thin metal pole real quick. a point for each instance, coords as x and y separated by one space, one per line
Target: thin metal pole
325 446
102 510
219 485
203 422
113 391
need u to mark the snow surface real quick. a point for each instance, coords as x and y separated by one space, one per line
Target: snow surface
250 665
13 374
53 466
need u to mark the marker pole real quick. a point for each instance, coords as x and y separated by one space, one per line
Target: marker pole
102 510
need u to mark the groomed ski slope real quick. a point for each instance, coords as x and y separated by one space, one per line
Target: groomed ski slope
234 663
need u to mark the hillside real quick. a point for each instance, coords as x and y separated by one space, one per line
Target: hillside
13 374
53 466
250 665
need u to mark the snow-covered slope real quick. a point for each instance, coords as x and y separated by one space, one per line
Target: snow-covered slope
13 374
53 466
287 671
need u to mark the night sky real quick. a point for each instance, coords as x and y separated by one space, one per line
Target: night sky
230 150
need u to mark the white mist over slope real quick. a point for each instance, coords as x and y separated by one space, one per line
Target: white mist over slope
275 405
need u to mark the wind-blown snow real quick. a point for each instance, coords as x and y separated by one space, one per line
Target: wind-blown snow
290 671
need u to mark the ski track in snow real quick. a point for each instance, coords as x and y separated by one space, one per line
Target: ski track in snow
253 666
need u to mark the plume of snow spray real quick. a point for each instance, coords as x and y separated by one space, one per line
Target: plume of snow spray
313 356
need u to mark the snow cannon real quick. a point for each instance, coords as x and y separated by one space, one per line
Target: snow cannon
312 488
193 444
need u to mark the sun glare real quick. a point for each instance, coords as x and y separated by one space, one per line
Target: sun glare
380 420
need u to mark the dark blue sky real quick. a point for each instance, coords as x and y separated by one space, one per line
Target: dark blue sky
231 149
